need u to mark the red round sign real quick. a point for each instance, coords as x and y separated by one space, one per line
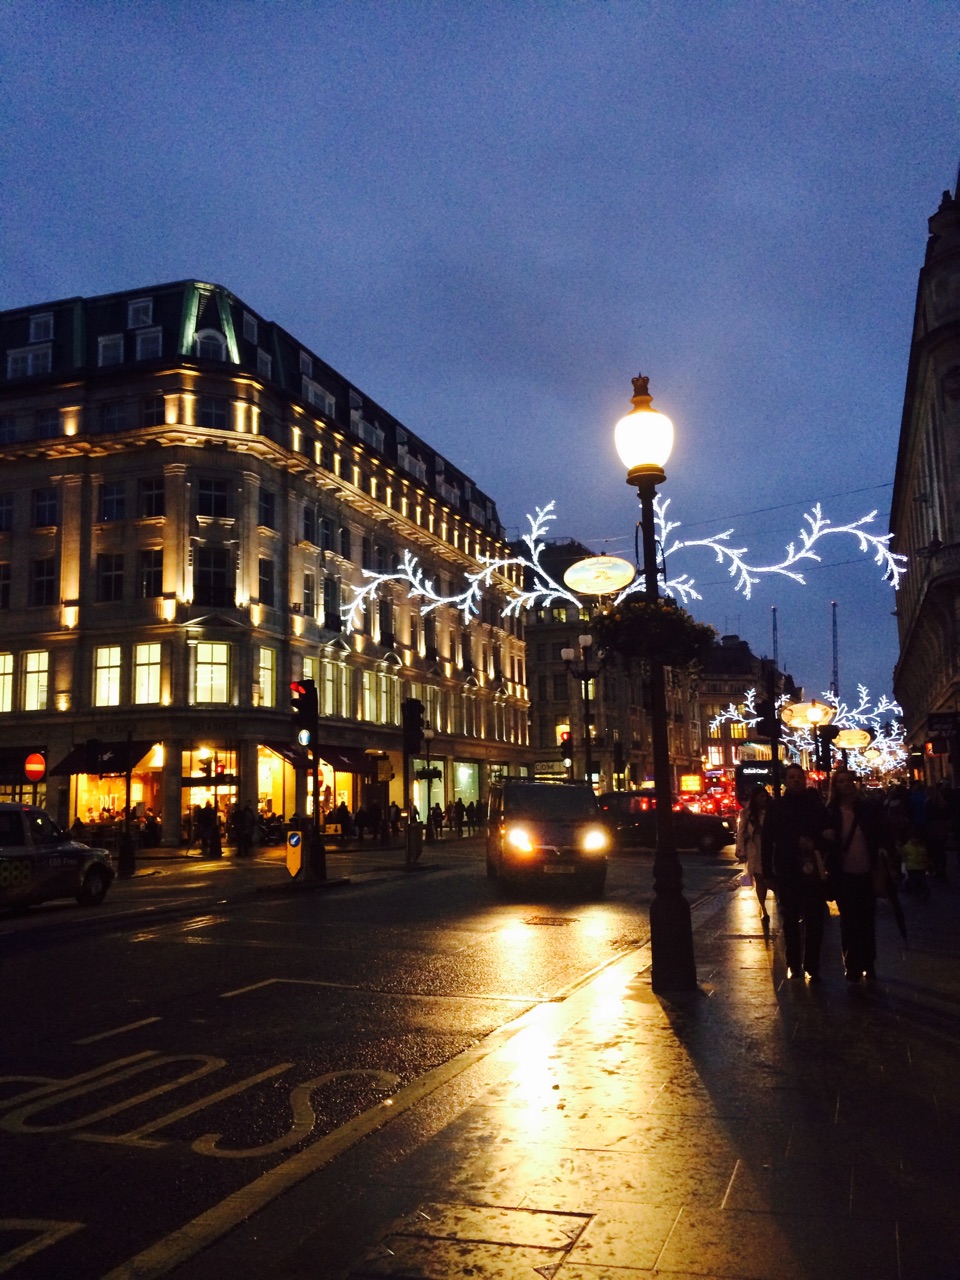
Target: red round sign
35 766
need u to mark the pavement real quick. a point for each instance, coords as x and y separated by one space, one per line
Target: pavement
760 1129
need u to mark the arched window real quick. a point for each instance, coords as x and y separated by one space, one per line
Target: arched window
209 344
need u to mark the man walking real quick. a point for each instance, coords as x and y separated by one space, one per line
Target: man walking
793 859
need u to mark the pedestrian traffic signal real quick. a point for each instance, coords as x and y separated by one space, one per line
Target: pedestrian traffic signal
824 736
566 747
412 709
303 702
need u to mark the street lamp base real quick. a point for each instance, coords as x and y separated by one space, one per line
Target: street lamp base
671 944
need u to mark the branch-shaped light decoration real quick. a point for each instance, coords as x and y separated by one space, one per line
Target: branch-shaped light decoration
882 721
541 590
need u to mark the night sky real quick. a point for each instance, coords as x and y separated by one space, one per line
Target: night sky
491 216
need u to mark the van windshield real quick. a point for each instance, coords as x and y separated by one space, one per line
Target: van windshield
552 804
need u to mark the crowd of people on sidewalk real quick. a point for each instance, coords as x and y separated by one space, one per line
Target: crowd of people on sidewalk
849 849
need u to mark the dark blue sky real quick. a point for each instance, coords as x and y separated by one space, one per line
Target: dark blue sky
491 216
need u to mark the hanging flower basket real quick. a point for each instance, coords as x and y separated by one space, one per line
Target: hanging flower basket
652 631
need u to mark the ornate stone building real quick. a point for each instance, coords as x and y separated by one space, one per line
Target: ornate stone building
187 496
925 510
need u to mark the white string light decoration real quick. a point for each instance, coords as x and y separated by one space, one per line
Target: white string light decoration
542 590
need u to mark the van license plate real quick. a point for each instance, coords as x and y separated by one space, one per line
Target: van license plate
558 869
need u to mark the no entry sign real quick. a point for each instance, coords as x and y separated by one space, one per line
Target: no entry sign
35 766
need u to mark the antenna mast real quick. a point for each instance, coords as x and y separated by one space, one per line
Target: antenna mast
835 682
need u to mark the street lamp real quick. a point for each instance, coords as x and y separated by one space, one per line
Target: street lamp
584 673
428 734
644 439
816 717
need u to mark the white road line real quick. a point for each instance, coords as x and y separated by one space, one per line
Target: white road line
117 1031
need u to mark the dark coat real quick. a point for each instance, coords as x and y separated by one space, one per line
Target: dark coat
872 822
789 818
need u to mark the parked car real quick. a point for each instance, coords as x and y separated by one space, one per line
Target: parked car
632 819
537 830
39 861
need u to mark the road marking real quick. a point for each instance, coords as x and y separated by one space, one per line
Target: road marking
50 1085
117 1031
13 1121
393 995
134 1137
296 982
47 1231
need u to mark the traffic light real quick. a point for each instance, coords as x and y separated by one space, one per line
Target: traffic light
412 725
825 735
566 747
768 723
303 702
206 767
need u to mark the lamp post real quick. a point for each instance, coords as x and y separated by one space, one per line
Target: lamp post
644 439
584 673
428 742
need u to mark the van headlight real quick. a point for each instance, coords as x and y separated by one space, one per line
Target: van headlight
518 838
595 840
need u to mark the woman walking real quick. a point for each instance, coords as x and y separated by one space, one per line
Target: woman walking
749 833
857 839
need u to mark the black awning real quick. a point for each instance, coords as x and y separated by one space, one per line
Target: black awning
341 759
102 757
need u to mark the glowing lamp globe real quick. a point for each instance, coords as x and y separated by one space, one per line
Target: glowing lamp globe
644 438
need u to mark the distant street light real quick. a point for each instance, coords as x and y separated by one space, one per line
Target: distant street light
644 440
584 673
816 717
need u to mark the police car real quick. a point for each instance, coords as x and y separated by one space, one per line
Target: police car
39 861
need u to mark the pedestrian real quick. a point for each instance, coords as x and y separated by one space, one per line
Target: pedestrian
374 820
793 845
436 816
471 816
749 843
916 862
360 821
459 815
245 824
344 821
856 856
394 818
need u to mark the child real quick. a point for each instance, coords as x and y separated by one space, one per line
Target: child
916 861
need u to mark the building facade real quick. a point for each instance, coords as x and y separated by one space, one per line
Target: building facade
925 509
189 497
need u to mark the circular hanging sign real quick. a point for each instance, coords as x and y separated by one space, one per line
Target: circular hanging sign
850 739
35 766
599 575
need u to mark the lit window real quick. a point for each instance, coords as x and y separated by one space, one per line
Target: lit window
268 677
35 667
249 327
146 673
29 362
149 344
110 350
211 345
41 327
213 672
369 696
310 669
6 682
738 729
139 312
106 677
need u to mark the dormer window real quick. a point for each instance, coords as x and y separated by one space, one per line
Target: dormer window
41 327
110 350
210 345
139 313
306 365
250 327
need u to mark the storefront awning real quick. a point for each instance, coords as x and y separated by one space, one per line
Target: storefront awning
341 759
102 757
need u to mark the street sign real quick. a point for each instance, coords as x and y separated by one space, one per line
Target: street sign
294 852
940 723
35 766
